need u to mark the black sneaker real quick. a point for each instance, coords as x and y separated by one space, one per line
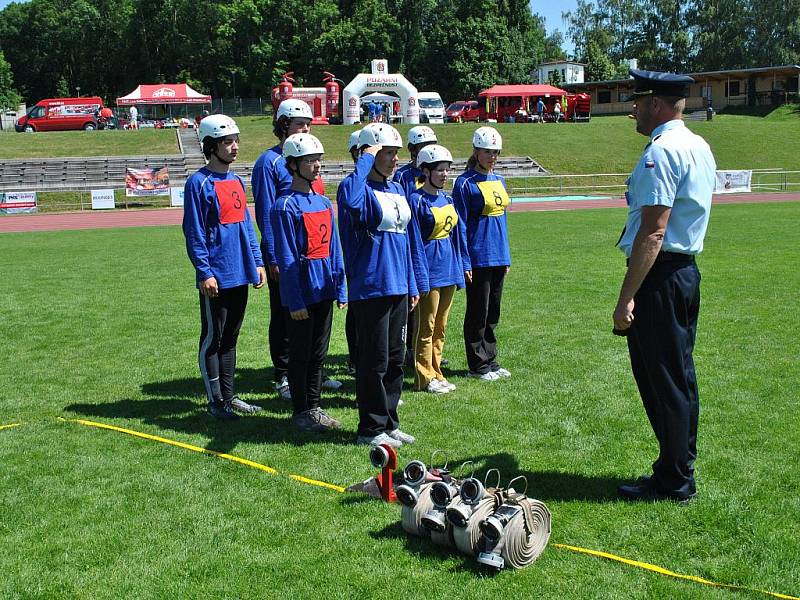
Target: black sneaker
222 411
243 407
309 420
328 420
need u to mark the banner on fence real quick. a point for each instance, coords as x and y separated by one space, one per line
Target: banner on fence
147 182
102 199
18 202
729 182
176 196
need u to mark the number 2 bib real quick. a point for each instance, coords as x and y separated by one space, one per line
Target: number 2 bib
444 219
232 201
395 212
495 198
318 232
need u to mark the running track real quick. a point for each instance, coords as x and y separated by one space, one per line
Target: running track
173 216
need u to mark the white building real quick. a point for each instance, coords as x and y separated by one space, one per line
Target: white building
568 71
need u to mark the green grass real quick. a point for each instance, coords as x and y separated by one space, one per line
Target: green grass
57 144
103 325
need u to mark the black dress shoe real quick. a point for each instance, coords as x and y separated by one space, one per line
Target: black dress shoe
642 490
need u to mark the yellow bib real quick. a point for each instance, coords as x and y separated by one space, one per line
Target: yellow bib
495 198
445 218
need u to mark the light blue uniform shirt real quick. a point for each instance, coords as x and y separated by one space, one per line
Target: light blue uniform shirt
677 170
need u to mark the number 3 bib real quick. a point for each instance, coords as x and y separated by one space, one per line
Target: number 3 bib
232 201
495 198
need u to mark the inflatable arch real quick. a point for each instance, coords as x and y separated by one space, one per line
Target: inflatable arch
380 82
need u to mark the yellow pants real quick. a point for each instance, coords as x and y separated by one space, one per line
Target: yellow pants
433 309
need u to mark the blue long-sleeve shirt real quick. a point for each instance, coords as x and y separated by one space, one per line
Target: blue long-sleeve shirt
443 238
481 202
220 239
407 177
307 250
374 228
271 180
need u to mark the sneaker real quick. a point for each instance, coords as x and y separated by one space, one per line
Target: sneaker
446 384
435 387
400 402
501 372
331 384
444 362
222 411
402 436
282 387
241 406
489 376
377 440
309 420
328 420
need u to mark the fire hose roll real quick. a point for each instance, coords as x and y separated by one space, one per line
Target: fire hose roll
411 516
527 534
466 538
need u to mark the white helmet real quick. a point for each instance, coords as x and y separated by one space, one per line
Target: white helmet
293 108
353 141
217 126
487 138
433 154
421 134
379 134
302 144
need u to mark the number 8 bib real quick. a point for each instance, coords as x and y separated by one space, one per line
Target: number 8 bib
495 198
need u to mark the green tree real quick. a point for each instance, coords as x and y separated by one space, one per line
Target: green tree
9 97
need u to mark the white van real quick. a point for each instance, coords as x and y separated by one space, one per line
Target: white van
431 107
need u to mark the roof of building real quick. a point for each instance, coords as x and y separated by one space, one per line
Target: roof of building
523 90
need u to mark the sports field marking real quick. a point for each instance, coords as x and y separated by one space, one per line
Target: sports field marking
558 198
337 488
10 426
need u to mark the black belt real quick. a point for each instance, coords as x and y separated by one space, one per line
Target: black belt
664 256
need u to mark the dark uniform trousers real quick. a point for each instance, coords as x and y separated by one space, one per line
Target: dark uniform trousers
660 342
379 372
308 347
482 316
220 321
278 334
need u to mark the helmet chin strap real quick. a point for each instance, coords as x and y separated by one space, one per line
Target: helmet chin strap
385 177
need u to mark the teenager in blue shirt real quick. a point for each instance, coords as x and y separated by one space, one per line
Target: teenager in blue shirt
481 199
444 263
312 278
222 246
377 253
350 322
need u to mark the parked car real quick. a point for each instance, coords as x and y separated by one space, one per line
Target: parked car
463 111
61 114
431 107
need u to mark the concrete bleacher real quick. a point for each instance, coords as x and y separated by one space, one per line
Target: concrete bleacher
80 174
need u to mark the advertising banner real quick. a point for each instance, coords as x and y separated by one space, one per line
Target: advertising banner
18 202
147 182
176 196
729 182
102 199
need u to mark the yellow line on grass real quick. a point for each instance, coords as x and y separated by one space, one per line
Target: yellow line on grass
10 426
231 457
330 486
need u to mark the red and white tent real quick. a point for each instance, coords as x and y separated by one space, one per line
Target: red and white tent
164 93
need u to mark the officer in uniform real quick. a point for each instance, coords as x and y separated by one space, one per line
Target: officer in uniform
669 198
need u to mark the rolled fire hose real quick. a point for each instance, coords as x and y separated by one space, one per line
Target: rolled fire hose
466 538
527 534
411 516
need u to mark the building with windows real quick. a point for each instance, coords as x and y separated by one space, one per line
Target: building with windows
568 72
761 86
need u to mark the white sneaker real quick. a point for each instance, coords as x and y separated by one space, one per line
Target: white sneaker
490 376
446 384
501 372
377 440
282 387
402 436
331 384
435 387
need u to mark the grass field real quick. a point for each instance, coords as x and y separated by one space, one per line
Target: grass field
103 325
604 145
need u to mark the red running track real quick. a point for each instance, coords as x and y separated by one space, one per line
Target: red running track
173 216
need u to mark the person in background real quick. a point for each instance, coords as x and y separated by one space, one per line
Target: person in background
312 278
481 199
377 254
408 176
271 179
134 114
444 263
557 111
540 110
669 196
222 246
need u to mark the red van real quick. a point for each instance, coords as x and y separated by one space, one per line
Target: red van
61 114
462 111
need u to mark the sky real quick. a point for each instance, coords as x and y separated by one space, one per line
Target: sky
551 10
